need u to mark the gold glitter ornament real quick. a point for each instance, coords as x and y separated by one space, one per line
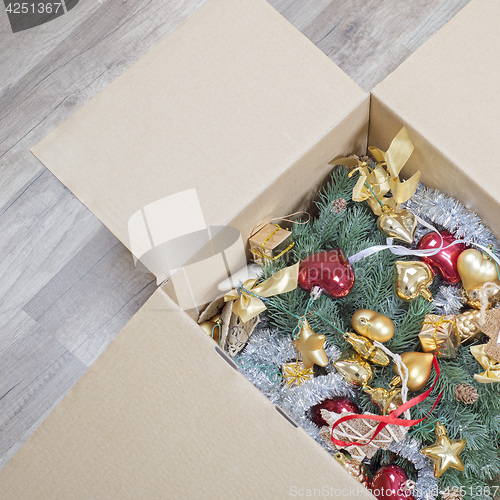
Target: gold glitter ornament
467 329
296 373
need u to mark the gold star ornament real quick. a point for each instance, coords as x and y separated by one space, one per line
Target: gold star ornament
310 347
445 453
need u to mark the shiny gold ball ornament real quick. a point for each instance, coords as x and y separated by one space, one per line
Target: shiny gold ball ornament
466 326
354 368
412 279
419 366
365 348
476 269
399 224
310 347
445 453
372 325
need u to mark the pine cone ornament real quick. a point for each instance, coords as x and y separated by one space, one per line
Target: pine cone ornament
452 494
466 394
339 205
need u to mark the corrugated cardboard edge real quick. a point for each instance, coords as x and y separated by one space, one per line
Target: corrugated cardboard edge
173 421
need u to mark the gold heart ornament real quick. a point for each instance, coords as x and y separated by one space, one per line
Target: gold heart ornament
398 224
475 269
412 279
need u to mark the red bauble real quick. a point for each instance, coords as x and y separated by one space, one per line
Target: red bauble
444 262
337 404
330 270
390 483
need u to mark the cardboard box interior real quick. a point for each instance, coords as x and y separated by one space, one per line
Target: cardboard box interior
142 423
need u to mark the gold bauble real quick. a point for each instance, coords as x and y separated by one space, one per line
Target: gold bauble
399 224
412 279
365 348
467 329
476 269
372 325
419 366
472 298
310 347
445 453
354 368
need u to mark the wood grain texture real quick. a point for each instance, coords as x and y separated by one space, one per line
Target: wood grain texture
67 286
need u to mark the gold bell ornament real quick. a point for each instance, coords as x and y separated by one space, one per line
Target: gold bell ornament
354 368
476 269
419 366
412 279
372 325
445 453
366 349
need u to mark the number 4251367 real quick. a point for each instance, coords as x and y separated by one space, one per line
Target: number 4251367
33 8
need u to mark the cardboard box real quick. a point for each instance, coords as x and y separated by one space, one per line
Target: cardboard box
235 102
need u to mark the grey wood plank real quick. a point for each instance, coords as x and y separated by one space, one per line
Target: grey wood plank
368 39
61 306
43 38
35 373
41 231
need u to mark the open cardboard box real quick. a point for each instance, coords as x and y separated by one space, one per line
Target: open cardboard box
240 106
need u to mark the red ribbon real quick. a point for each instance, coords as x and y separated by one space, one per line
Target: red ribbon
392 417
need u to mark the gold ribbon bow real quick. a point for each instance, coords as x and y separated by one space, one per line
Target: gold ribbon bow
375 183
248 304
491 367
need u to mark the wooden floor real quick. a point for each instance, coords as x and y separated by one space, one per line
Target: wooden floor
67 286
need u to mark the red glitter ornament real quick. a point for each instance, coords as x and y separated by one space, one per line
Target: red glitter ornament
444 262
337 404
330 270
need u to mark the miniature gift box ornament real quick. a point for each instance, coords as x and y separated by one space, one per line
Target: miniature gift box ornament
270 243
439 335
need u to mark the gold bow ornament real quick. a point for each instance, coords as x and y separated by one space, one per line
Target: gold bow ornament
491 367
375 183
247 298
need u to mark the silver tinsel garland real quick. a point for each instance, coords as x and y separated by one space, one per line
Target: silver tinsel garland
267 350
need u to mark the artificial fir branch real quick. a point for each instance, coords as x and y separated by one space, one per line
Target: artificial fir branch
353 229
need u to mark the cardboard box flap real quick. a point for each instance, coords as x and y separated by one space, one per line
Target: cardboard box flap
447 92
171 421
220 108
